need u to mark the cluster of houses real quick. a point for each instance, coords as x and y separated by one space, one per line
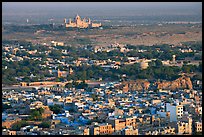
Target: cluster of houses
105 110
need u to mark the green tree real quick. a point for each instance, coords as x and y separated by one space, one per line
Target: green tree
45 124
56 54
36 114
82 85
95 97
69 85
56 108
6 106
17 126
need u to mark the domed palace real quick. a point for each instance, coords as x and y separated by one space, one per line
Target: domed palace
79 23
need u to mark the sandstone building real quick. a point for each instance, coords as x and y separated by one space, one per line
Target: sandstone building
79 23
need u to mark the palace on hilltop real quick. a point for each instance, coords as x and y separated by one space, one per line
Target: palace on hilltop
79 23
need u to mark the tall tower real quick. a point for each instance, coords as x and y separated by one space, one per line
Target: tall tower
77 19
65 20
174 58
89 21
70 20
59 73
71 70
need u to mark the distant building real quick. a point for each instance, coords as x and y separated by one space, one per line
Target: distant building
144 65
79 23
174 58
55 43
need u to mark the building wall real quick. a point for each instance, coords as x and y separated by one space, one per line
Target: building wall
169 130
185 127
130 132
12 133
119 125
23 84
95 25
95 131
131 122
86 131
172 110
105 129
156 101
175 111
198 127
9 133
162 114
179 111
125 88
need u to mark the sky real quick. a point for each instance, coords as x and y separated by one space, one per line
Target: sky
32 6
60 10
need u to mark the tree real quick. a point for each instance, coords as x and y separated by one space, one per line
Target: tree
45 124
41 110
95 97
56 108
82 85
56 54
158 63
36 114
69 85
200 67
197 77
17 126
6 106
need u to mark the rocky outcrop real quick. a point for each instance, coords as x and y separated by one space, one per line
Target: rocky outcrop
139 85
180 83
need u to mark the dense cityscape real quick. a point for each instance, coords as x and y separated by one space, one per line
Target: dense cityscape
84 77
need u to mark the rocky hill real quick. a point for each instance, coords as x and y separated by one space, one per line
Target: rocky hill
180 83
136 85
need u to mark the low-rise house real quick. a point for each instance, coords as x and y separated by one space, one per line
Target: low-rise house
101 129
8 132
129 130
198 126
184 125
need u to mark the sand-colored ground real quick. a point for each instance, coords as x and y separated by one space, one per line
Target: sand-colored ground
138 35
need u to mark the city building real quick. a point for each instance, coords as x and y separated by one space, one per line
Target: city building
198 126
185 124
176 111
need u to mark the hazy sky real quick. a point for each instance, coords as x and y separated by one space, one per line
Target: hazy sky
43 10
15 6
